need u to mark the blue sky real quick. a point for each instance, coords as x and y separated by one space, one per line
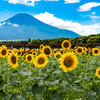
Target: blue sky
80 16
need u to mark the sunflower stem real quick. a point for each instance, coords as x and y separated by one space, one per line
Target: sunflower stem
43 85
64 74
6 74
20 77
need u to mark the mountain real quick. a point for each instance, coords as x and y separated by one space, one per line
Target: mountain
24 26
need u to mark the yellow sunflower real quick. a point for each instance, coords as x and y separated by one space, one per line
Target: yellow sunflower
79 50
57 55
66 44
9 51
13 60
29 58
98 72
95 51
47 51
41 61
3 52
34 53
19 53
68 61
84 49
41 46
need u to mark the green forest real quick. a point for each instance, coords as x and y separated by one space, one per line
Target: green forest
83 39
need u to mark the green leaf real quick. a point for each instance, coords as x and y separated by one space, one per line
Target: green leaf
98 91
26 73
91 95
36 89
54 82
15 96
11 83
64 84
76 82
34 78
24 96
1 83
2 94
55 95
77 88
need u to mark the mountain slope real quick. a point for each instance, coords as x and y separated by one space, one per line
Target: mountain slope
24 26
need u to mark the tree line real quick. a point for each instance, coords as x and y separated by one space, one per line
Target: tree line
95 38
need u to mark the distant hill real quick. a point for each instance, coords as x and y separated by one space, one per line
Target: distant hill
24 26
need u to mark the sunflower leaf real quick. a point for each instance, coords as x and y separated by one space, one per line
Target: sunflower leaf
55 95
36 89
91 95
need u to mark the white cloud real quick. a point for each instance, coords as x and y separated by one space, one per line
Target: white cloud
24 2
88 6
3 23
73 26
15 25
91 16
0 24
93 13
72 1
9 23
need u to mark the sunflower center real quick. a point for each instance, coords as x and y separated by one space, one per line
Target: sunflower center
79 50
4 52
41 60
96 51
34 53
68 61
47 51
29 58
99 72
13 59
66 44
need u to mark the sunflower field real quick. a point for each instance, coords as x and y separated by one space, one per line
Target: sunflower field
50 74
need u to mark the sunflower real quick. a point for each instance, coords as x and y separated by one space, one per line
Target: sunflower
79 50
95 51
68 61
57 55
3 52
41 61
84 49
19 53
9 51
29 58
13 60
47 51
98 72
34 53
66 44
41 46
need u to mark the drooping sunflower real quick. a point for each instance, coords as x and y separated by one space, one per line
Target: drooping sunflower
13 60
47 51
66 44
98 72
68 62
41 61
29 58
79 50
3 52
95 51
57 55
